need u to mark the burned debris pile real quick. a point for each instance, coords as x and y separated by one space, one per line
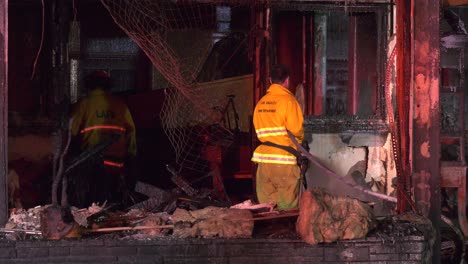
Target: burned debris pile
213 222
186 211
191 213
21 219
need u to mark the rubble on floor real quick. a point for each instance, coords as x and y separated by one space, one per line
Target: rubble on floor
21 219
402 226
58 222
213 222
153 220
321 218
81 215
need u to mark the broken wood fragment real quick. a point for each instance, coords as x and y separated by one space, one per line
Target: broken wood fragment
83 215
151 204
128 228
150 190
13 230
203 202
274 216
181 182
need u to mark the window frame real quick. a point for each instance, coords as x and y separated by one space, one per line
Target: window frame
375 123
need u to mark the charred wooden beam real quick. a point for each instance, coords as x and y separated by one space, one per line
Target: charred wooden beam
260 22
203 202
426 133
3 110
150 190
320 62
403 80
181 182
152 204
158 199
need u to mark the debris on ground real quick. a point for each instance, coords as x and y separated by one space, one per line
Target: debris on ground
213 222
107 218
167 201
57 222
404 225
325 218
25 219
401 226
158 198
153 220
320 218
21 219
81 215
249 205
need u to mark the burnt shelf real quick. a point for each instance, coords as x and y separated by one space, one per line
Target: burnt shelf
321 125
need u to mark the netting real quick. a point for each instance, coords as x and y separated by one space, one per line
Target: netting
177 36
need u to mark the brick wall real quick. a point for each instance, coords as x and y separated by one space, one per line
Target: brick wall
244 251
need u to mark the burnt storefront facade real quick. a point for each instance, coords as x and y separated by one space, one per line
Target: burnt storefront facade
366 73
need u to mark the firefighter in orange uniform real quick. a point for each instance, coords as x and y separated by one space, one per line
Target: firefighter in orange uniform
100 115
278 176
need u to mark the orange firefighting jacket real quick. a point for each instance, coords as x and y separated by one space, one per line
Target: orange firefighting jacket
276 113
100 114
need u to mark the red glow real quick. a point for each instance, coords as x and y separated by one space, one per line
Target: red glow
113 164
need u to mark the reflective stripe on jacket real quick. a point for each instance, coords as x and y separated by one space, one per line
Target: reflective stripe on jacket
98 115
276 113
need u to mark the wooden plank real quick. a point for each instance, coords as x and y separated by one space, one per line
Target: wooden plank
3 111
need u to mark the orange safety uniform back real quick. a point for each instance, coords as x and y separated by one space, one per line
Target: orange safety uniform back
99 115
276 113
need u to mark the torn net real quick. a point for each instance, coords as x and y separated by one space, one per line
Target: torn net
188 118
